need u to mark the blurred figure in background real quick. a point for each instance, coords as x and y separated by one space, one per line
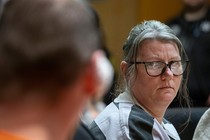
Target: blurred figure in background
50 67
192 26
109 96
97 103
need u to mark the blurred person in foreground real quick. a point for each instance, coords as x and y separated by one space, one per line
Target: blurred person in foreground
203 127
50 66
152 69
192 27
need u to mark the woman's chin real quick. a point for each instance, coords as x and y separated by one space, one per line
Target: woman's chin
167 97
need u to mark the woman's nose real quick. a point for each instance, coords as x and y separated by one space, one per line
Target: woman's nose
167 74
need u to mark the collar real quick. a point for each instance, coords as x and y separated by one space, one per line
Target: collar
126 97
9 136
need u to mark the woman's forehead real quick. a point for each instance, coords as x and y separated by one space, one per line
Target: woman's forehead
155 48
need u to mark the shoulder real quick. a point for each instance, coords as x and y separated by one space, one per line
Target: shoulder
112 122
203 128
177 24
176 20
83 133
140 124
113 112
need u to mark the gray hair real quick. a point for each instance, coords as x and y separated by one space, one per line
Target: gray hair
151 30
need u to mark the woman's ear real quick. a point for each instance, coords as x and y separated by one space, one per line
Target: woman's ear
123 67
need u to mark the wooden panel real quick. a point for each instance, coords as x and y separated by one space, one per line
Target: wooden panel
119 16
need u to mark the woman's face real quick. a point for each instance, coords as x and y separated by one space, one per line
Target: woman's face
161 90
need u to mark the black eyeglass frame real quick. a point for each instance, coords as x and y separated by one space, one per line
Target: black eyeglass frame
164 69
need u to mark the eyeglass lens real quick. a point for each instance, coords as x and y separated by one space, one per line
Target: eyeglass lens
158 68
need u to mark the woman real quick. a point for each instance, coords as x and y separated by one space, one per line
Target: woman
153 65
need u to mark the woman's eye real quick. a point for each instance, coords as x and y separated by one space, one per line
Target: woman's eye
176 64
150 64
154 65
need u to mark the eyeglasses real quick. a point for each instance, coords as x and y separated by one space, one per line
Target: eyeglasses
156 68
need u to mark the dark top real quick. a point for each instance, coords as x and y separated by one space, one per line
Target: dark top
83 133
195 37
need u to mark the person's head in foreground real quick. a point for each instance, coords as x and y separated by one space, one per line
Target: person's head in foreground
152 69
49 62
